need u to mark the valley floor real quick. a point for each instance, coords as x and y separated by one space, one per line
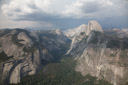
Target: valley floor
61 73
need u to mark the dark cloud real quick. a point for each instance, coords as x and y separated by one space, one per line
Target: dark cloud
91 7
37 16
65 23
107 20
17 10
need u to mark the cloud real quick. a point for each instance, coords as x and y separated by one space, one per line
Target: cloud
17 8
77 9
64 13
6 23
91 7
95 8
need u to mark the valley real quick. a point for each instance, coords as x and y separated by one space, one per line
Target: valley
85 55
61 73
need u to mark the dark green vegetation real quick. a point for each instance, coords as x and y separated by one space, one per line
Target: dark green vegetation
115 41
29 49
52 41
123 58
82 33
97 38
3 57
89 80
61 73
111 40
121 43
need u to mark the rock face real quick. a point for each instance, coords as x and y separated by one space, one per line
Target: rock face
71 33
103 63
92 26
25 39
77 34
28 52
101 54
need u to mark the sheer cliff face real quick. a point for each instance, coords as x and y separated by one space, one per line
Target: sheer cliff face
28 51
77 34
102 54
104 63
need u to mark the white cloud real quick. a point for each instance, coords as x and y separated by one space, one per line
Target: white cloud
8 23
58 12
94 8
5 23
18 8
76 9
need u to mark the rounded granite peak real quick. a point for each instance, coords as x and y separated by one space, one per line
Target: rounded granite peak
58 32
94 26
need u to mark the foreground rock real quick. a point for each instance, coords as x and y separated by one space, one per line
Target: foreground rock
27 52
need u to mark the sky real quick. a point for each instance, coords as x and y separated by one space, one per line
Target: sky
62 14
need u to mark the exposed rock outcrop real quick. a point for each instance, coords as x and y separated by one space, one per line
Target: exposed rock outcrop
103 63
80 32
71 33
92 26
101 54
28 52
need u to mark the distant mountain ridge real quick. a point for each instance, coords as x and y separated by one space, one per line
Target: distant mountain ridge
101 54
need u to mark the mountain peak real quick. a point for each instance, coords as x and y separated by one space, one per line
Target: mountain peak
70 33
58 32
92 26
77 34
